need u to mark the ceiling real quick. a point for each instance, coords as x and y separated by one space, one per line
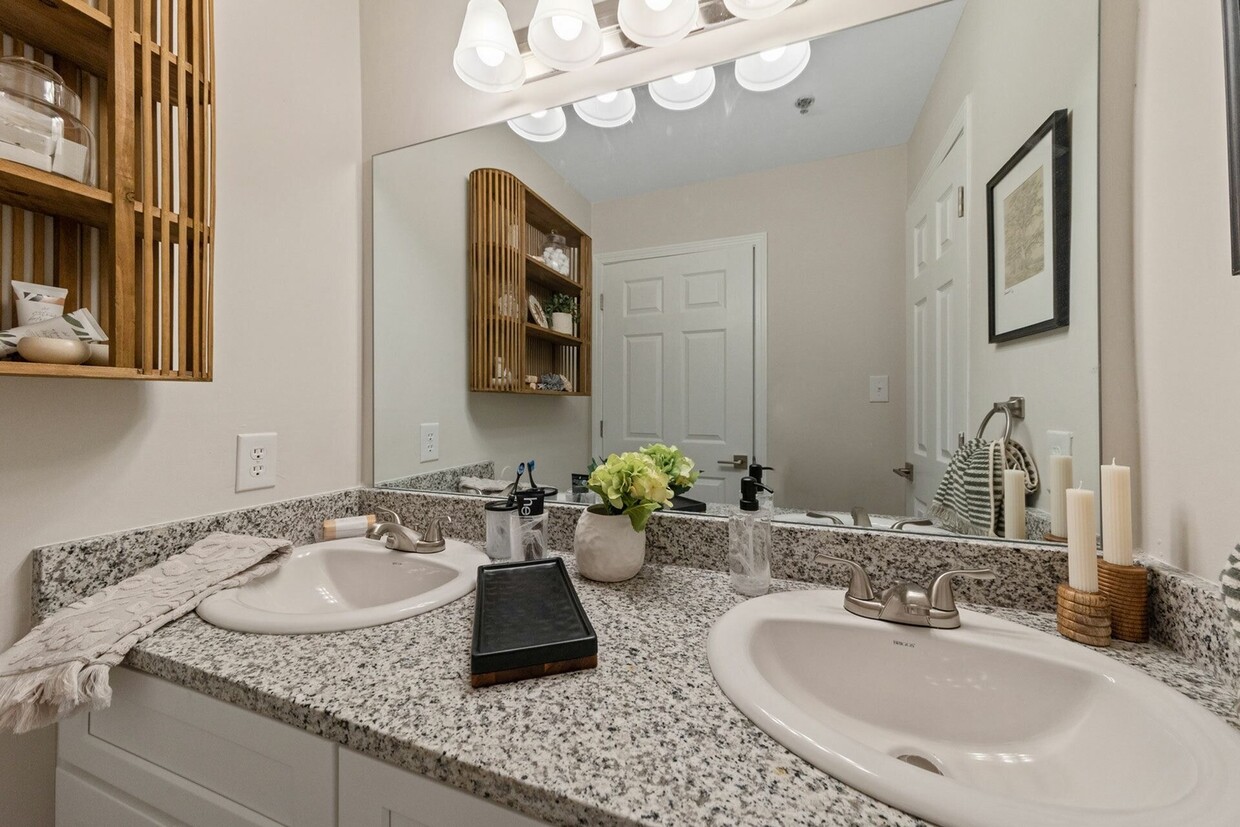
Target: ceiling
869 83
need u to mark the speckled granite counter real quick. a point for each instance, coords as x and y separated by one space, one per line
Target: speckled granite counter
646 738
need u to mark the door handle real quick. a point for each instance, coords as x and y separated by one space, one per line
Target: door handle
905 471
738 461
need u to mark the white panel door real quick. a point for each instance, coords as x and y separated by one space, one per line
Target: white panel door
678 359
936 324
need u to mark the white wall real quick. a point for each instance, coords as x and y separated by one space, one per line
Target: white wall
1020 61
835 297
421 311
1188 303
84 457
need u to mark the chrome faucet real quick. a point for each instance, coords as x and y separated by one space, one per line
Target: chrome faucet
906 603
918 521
399 538
822 515
861 517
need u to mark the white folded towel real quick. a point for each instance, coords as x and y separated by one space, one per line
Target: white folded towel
63 663
481 485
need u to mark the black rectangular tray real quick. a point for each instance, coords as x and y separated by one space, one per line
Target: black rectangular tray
528 622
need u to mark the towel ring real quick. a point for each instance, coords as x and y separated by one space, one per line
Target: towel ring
1014 408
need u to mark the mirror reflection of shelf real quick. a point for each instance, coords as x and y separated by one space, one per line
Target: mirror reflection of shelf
505 275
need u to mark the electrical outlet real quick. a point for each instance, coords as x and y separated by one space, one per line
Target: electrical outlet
879 391
429 441
256 461
1059 443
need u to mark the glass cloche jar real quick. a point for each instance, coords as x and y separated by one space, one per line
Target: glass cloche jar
40 121
555 253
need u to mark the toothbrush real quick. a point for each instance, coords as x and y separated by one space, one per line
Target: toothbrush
530 466
517 482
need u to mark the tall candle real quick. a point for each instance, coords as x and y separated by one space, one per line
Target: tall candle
1082 541
1014 504
1060 482
1117 514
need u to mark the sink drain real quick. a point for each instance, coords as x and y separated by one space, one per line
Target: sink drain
921 763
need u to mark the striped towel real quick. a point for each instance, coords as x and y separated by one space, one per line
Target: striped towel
1231 596
970 495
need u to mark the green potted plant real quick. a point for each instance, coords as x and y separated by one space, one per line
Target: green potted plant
610 540
562 310
677 466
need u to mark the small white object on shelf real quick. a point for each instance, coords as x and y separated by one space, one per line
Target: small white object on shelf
53 351
555 254
536 310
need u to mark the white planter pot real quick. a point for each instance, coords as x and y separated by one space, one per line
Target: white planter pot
562 323
607 547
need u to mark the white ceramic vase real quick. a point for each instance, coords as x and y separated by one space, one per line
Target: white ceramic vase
607 547
562 323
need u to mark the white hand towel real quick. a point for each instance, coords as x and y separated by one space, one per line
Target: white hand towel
63 663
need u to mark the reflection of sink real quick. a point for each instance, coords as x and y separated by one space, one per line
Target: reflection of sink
989 724
844 517
346 584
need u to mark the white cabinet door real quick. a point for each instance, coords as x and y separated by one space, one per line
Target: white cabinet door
200 761
375 794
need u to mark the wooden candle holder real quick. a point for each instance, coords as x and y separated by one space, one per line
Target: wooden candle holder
1127 589
1083 616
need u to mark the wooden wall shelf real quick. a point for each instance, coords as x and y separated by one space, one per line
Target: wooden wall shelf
508 226
137 249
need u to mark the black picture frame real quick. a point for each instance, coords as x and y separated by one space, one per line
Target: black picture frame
1231 59
1058 127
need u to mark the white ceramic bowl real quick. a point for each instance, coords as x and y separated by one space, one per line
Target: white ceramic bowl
53 351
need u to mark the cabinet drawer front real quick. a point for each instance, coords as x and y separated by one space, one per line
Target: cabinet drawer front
275 771
81 802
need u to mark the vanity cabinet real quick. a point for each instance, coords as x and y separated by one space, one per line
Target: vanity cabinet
164 756
133 243
509 225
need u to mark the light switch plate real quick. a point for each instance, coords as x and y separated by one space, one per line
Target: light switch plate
256 461
1059 443
429 441
879 389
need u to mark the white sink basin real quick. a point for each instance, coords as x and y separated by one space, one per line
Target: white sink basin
346 584
1025 728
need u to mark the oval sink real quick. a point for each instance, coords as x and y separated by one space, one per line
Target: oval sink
346 584
992 723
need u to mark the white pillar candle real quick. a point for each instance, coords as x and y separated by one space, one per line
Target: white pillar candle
1060 482
1082 541
1117 514
1014 504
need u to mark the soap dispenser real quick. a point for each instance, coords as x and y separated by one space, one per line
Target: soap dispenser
749 540
766 497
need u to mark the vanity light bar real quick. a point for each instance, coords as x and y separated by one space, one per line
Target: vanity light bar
712 14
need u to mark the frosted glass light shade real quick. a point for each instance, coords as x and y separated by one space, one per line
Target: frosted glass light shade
540 127
657 22
755 9
609 110
486 55
772 68
564 34
684 91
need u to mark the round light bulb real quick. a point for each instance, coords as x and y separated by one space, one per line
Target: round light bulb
565 27
685 77
490 55
658 5
772 55
607 97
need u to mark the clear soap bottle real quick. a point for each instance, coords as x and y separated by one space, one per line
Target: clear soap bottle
749 541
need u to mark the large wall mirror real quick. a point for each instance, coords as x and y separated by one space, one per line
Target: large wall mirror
805 276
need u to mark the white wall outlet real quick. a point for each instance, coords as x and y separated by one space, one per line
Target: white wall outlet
429 441
879 389
1059 443
256 461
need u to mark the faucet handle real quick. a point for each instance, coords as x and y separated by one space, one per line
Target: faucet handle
941 596
433 540
391 516
859 586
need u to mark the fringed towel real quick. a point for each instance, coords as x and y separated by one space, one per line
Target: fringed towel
63 663
1231 596
970 495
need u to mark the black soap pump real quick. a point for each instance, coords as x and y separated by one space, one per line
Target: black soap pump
766 498
749 540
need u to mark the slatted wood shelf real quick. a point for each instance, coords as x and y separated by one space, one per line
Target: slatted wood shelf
157 53
33 189
540 273
8 368
553 336
63 27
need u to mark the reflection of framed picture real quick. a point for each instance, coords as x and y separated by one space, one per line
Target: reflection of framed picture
536 311
1028 218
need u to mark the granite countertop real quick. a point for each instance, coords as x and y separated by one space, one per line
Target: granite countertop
646 738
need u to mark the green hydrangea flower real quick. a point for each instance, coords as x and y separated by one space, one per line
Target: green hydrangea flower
677 466
631 484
